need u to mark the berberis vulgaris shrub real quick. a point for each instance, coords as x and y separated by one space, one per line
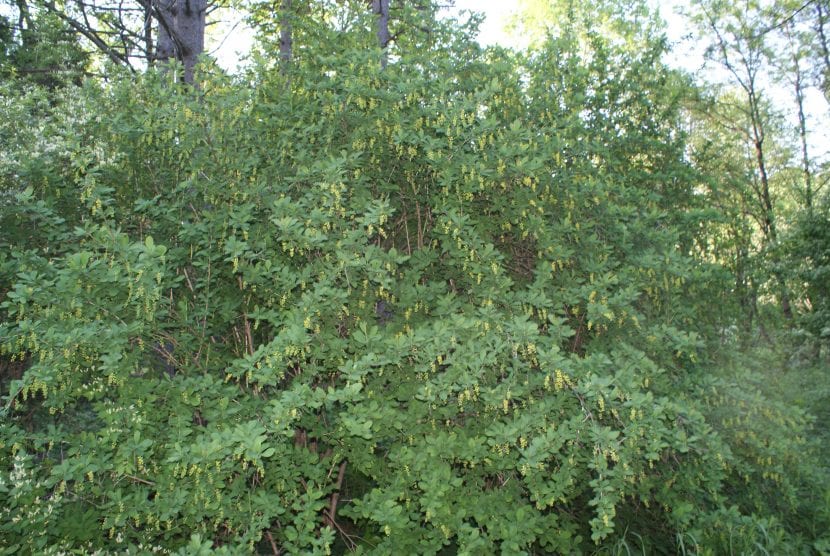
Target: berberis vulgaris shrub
443 307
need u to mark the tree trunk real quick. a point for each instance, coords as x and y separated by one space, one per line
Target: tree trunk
181 32
166 14
749 52
802 130
769 223
190 30
798 85
766 200
381 9
24 16
825 53
805 159
286 42
770 227
148 32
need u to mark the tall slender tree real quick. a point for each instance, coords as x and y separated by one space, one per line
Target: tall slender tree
823 49
794 72
738 45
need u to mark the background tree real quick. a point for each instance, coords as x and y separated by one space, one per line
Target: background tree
629 24
39 48
132 34
180 32
739 45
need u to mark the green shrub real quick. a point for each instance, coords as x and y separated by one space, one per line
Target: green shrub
422 310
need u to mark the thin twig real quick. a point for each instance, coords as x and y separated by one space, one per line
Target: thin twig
189 283
335 496
140 480
275 549
420 233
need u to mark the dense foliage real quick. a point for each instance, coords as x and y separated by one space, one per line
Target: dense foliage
458 305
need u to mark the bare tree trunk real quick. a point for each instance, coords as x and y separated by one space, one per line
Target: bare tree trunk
181 32
745 74
166 15
758 138
823 43
24 16
190 29
798 85
148 33
769 218
381 9
802 129
286 41
770 227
